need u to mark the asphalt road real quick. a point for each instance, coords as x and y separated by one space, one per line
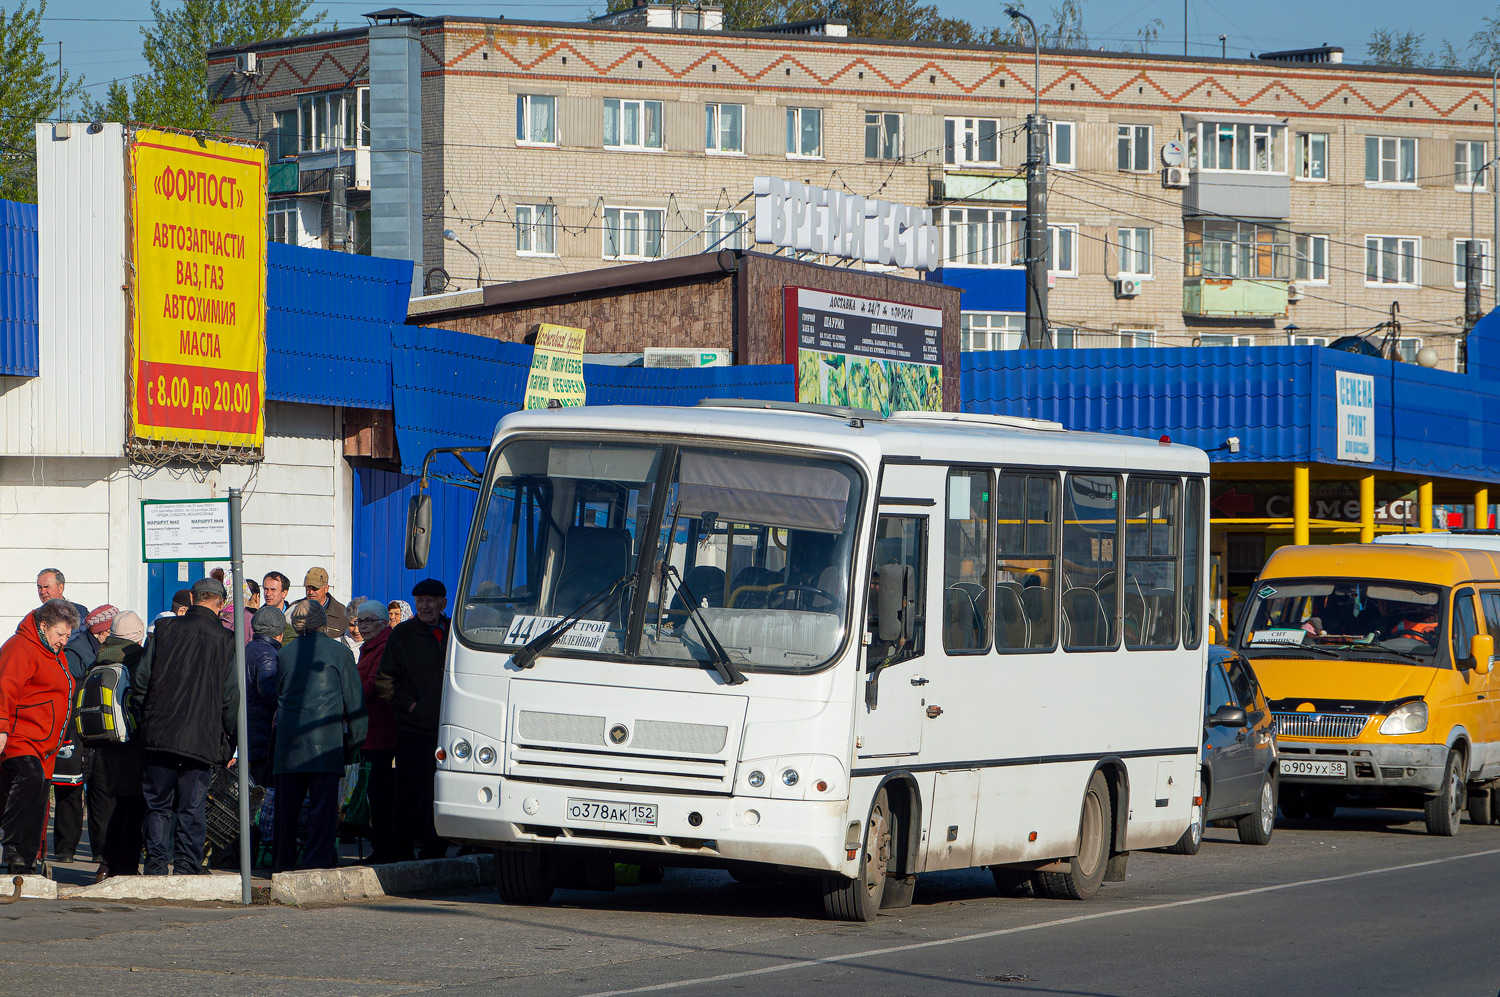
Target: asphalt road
1363 904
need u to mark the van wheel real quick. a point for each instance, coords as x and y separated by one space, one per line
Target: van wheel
1442 812
1192 838
526 878
1481 805
1256 826
1086 869
858 899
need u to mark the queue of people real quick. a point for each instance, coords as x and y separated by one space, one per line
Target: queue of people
326 686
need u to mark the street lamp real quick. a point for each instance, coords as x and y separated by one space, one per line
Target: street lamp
452 236
1036 42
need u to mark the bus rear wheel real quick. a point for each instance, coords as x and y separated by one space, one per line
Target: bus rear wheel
858 899
1086 869
526 878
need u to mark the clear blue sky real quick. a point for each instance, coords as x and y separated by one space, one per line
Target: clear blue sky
101 40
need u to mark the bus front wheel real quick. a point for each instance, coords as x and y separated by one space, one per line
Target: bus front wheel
526 878
1086 869
858 899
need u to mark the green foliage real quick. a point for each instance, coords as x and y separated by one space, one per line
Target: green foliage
1405 49
174 93
30 91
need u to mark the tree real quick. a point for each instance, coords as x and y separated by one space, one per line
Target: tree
30 91
174 93
1388 48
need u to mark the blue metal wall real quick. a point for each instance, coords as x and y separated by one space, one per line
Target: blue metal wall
985 290
380 500
18 289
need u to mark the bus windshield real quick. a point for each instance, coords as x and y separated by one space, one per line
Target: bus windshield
1345 617
756 547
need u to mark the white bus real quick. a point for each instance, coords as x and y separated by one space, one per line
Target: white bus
765 636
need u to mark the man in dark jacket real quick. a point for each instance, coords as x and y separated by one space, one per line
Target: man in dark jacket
268 625
412 674
318 698
186 699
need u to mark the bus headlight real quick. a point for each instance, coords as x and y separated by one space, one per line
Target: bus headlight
790 777
461 750
756 779
1408 719
485 755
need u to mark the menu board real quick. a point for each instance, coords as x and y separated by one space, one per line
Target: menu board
864 352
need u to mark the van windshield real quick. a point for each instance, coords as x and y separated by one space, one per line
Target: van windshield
759 545
1345 617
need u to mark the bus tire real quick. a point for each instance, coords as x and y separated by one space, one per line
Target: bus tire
1481 805
1192 838
1256 826
858 899
1086 869
525 878
1010 882
1443 812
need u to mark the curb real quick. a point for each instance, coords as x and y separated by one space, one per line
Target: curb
32 888
216 888
331 886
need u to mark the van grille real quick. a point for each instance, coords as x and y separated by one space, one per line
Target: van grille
1320 724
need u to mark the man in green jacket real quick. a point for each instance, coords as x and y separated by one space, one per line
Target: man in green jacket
320 722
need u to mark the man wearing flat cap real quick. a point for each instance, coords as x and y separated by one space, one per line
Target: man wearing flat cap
315 584
411 681
186 698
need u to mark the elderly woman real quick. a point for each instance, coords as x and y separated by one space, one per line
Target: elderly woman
380 745
399 611
35 690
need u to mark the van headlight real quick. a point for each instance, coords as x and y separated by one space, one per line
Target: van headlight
1408 719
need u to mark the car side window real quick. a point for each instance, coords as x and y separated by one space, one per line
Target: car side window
1217 694
1242 685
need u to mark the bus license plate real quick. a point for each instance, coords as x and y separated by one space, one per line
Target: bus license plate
612 813
1329 770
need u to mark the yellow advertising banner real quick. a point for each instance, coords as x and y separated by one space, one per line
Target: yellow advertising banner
556 368
198 374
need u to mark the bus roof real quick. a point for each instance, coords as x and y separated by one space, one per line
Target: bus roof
1437 565
936 436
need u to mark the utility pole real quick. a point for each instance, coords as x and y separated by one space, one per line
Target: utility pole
1037 335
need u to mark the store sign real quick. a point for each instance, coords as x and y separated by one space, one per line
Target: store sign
198 245
1337 501
556 368
864 353
794 215
1356 417
188 530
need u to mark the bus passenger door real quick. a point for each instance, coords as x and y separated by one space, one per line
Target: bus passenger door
891 715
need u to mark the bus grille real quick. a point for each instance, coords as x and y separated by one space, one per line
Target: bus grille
568 728
1326 725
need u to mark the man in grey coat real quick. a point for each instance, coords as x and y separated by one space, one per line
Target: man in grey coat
320 721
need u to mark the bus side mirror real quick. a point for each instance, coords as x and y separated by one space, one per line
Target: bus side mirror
1481 649
896 609
418 531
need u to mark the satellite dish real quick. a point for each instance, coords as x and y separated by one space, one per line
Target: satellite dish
1173 153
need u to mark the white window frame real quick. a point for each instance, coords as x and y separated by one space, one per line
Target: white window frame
982 237
1407 348
524 103
1303 150
1134 245
642 232
794 116
1308 260
714 130
536 225
1053 232
284 208
881 122
1071 127
335 114
1308 341
1223 340
1007 329
1408 247
729 226
643 110
963 148
1392 144
1128 140
1486 271
1136 339
1273 133
1464 164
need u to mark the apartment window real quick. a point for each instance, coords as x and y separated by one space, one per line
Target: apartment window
1407 348
282 224
1063 241
632 233
1060 144
982 237
1310 264
359 230
632 124
1135 252
971 141
882 135
1390 160
1236 249
1133 146
1237 146
1312 156
1468 161
1461 257
1392 259
724 230
1220 339
333 120
1309 340
283 137
1065 337
804 132
536 230
1137 339
724 128
364 117
991 330
536 119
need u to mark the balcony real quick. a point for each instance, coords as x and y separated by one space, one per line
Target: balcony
316 167
1229 297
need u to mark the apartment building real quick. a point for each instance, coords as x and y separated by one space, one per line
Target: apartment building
1191 200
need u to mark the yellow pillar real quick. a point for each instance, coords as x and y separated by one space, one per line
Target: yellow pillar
1300 474
1424 507
1367 508
1481 508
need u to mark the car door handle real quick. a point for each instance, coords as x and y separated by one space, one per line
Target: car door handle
1241 736
918 681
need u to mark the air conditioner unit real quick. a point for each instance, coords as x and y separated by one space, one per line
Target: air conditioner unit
679 357
1293 292
1127 287
1174 176
245 63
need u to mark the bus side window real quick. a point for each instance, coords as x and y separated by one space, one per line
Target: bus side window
1091 561
899 540
966 563
1192 566
1025 561
1151 522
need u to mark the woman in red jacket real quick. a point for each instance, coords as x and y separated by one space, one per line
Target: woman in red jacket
380 743
35 691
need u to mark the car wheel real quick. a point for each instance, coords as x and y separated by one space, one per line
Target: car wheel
858 899
1256 826
1442 812
1086 869
1192 838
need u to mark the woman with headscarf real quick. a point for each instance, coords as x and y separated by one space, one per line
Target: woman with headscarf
399 611
117 804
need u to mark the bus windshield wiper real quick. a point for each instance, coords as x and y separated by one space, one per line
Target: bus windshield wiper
527 655
717 656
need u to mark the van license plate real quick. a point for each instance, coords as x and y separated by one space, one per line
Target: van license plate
1327 770
612 813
